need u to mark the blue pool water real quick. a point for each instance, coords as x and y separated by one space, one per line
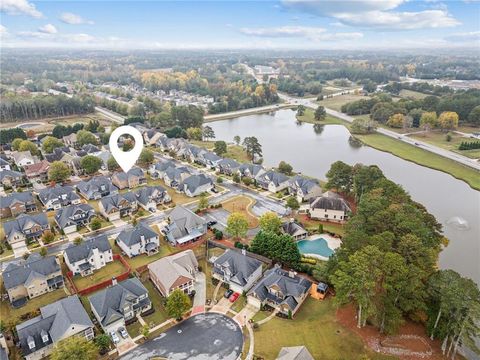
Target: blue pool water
318 246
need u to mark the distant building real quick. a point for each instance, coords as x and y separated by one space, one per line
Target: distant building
10 178
53 198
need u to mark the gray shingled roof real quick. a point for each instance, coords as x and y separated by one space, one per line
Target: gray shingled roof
63 215
113 201
304 183
55 320
274 176
82 250
241 266
174 173
211 156
23 197
195 181
183 219
131 237
292 228
56 193
94 184
143 194
254 169
10 173
22 222
109 303
294 353
133 172
35 266
330 201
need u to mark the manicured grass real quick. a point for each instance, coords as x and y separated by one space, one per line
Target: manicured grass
438 138
12 316
160 314
314 326
235 152
242 204
404 93
336 102
422 157
239 304
312 225
111 270
329 120
177 198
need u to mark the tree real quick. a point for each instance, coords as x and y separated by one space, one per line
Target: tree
220 147
103 343
16 144
202 201
270 222
112 164
278 247
292 203
448 120
43 251
91 164
429 120
416 115
370 87
301 110
58 172
208 133
74 348
146 157
50 143
47 237
95 223
145 331
8 135
85 137
237 139
195 134
27 145
92 125
320 113
236 178
340 177
177 304
363 126
77 241
252 147
285 168
396 121
237 225
474 116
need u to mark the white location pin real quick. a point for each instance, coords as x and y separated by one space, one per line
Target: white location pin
126 159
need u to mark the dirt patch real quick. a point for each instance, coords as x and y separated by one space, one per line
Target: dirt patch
410 343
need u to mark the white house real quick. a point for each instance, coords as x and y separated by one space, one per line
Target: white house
140 240
90 255
330 207
273 181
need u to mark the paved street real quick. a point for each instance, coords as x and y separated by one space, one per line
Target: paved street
202 337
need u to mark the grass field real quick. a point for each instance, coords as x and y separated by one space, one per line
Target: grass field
235 152
315 327
242 204
438 138
336 102
177 198
404 93
111 270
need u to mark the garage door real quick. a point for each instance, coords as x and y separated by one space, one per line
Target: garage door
254 302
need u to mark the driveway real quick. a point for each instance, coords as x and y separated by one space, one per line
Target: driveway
245 314
222 306
200 294
73 236
119 223
201 337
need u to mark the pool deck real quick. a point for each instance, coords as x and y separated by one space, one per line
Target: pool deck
333 243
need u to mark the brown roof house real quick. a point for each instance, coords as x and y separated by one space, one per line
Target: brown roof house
174 272
37 172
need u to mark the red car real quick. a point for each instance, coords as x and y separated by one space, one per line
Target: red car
234 297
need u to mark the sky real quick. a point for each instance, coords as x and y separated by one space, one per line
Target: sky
285 24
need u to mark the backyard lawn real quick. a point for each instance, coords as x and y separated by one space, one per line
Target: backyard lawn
312 225
314 326
177 198
235 152
242 204
111 270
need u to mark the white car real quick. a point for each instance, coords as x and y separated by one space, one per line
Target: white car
123 332
114 336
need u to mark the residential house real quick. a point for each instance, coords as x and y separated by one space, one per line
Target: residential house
23 158
251 171
273 181
196 184
114 207
96 188
330 207
209 159
104 156
228 166
294 229
177 146
25 228
10 178
151 136
283 290
174 272
70 140
303 188
119 303
157 171
149 197
57 321
130 179
183 226
63 154
174 176
37 172
193 153
90 255
4 164
71 217
53 198
237 269
17 203
162 143
139 240
34 277
88 149
294 353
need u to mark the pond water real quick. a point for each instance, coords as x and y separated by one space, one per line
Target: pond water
316 246
29 125
312 149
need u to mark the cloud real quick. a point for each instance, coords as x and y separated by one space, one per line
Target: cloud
19 7
55 38
48 29
74 19
312 33
464 37
375 14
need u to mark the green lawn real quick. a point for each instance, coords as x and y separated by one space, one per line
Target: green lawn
404 93
111 270
314 326
336 102
239 304
160 314
235 152
438 138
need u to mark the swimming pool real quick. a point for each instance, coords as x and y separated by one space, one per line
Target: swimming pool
317 246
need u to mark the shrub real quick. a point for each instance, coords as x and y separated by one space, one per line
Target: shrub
219 180
218 235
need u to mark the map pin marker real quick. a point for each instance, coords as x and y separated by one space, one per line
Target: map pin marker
126 159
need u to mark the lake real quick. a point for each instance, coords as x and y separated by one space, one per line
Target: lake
311 150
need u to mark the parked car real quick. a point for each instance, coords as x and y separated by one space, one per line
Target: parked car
234 297
114 336
211 223
228 293
123 332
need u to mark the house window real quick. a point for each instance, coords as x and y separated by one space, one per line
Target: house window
31 345
45 338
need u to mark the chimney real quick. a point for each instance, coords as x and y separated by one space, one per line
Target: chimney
114 281
292 274
292 220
